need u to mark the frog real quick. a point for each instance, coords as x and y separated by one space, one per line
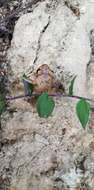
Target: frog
44 80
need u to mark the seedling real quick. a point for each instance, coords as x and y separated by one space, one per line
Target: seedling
45 103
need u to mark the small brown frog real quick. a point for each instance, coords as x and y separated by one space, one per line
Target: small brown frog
44 80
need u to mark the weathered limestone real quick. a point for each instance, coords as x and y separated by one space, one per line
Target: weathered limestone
47 154
52 34
54 153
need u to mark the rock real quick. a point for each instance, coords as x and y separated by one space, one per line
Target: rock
45 153
52 34
90 67
53 153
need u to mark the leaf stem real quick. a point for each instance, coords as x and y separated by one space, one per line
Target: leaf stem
9 98
54 95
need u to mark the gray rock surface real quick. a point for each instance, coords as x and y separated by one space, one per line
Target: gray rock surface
46 154
54 153
52 34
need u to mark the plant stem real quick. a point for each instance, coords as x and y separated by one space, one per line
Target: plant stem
54 95
16 97
80 97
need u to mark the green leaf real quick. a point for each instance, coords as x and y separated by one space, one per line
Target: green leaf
28 86
45 105
71 86
24 76
83 111
2 104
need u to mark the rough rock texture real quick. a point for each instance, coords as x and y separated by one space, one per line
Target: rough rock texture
90 67
52 34
54 153
46 154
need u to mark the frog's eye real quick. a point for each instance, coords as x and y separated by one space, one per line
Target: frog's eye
38 71
42 68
